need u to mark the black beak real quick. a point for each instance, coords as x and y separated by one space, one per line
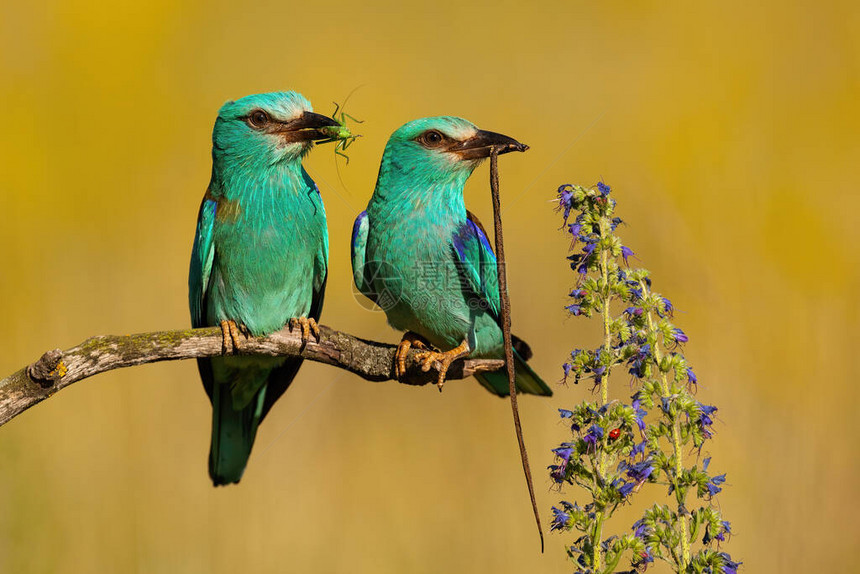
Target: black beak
308 127
482 143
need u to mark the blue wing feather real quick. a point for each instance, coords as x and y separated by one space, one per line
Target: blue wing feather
359 244
202 255
477 262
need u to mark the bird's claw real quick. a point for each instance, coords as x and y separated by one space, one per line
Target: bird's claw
308 326
230 336
443 359
408 341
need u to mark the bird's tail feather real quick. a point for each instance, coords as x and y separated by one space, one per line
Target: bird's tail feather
233 433
528 382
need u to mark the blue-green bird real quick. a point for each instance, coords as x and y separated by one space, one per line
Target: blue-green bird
259 260
426 261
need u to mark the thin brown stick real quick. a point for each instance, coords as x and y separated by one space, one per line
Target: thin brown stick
505 304
58 369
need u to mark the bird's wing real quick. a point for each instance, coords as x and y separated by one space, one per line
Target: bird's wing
202 255
321 256
318 295
477 262
359 244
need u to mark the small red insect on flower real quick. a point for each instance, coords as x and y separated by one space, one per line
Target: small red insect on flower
614 434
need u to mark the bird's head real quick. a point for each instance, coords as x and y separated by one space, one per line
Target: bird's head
442 149
268 128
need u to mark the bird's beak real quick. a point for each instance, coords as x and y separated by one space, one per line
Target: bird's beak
482 143
307 127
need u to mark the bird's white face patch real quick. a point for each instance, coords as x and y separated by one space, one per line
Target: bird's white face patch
459 133
290 110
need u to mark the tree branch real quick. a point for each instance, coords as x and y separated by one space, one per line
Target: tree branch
58 369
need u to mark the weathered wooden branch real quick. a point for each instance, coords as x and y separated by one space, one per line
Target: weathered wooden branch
58 369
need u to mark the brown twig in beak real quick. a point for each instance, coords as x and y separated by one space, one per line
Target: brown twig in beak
505 305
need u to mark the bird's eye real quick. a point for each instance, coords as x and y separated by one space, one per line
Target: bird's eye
431 138
258 119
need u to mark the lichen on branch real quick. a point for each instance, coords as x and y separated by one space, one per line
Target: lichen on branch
57 369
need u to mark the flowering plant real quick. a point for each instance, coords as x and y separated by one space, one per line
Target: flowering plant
618 450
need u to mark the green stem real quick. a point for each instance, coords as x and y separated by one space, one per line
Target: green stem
676 440
604 383
607 335
596 539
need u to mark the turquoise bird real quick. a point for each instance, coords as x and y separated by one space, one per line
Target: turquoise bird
426 261
259 260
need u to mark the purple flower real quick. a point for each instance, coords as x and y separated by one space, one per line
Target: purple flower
636 368
558 472
637 365
691 376
679 336
603 188
726 529
560 519
565 414
625 253
638 448
640 471
713 485
640 529
574 309
634 311
616 221
635 293
607 543
563 453
645 557
566 367
574 229
705 420
565 199
666 308
565 193
729 566
665 404
594 434
577 293
640 414
624 488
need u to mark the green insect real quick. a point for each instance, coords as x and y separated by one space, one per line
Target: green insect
341 133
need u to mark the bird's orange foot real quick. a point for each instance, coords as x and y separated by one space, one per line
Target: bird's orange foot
444 360
231 336
308 326
408 341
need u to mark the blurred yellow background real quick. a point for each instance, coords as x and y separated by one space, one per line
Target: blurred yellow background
728 130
